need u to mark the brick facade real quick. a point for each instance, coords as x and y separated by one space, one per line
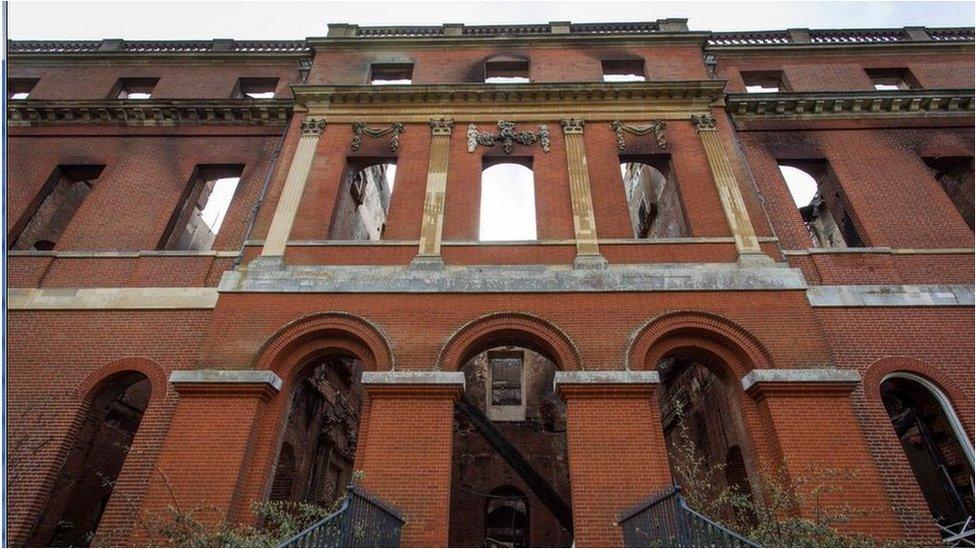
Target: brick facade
743 293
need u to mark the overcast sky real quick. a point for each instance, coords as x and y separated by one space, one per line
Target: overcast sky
173 20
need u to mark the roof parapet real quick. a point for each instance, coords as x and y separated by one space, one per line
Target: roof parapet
839 37
164 47
346 30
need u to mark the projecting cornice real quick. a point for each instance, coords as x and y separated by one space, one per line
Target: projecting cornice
112 48
599 100
153 112
846 105
801 41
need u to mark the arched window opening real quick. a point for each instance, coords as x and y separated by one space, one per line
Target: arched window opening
822 203
509 387
364 202
87 479
653 198
929 432
315 463
703 431
506 518
507 203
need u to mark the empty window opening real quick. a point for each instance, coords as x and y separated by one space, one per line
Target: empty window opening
55 207
507 203
363 204
506 518
623 70
892 79
20 88
653 198
509 387
820 200
88 476
208 197
932 439
386 74
315 462
955 174
134 88
506 71
764 82
255 88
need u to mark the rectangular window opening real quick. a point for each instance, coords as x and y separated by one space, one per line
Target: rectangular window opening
653 197
20 88
391 74
134 88
205 203
507 208
255 88
822 203
508 71
764 82
363 204
892 79
623 70
955 174
54 207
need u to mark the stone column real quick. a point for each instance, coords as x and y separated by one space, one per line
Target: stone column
429 255
617 455
584 225
816 435
734 207
208 449
291 195
406 447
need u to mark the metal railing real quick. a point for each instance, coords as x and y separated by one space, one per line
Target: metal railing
665 520
363 520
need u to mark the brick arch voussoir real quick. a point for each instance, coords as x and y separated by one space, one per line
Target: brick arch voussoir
533 330
741 350
876 372
100 377
285 351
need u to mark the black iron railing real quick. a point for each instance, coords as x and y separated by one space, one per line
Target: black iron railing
362 520
665 520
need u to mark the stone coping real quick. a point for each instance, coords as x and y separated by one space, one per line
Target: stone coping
229 377
802 375
110 298
414 378
892 296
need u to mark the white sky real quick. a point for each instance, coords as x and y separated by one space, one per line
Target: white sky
507 203
173 20
802 186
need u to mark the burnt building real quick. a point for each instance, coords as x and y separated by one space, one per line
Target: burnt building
491 268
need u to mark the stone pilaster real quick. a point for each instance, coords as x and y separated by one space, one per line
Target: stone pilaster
432 226
291 195
734 207
584 225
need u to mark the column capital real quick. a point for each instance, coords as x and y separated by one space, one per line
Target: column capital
704 122
572 125
263 384
421 384
800 382
441 126
312 126
606 384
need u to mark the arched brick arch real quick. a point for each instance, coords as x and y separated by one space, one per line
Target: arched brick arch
291 346
97 379
521 329
739 349
877 371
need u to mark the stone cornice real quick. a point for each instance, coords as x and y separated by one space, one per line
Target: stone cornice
867 104
116 48
153 112
418 103
798 41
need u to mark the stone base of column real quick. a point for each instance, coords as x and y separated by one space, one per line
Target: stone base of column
590 261
427 263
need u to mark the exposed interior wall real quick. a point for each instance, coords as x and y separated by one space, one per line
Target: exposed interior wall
479 472
955 174
315 463
70 187
363 203
653 200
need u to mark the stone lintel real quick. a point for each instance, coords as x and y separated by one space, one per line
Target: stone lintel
261 383
799 377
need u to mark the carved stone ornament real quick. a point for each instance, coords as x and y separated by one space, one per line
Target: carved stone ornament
313 126
441 126
508 137
703 122
656 127
572 125
360 128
